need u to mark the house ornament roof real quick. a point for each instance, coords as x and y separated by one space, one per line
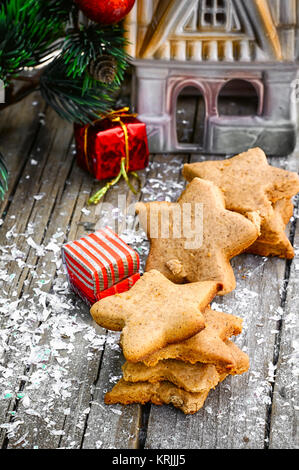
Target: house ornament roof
214 30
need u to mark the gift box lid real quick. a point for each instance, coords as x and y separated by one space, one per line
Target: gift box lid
99 260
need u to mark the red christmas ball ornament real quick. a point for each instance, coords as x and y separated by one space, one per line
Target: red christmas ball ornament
107 11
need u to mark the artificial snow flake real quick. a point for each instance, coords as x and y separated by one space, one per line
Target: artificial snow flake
38 197
40 251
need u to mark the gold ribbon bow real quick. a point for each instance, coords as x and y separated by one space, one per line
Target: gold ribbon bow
114 116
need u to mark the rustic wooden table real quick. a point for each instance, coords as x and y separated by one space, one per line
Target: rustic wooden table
56 365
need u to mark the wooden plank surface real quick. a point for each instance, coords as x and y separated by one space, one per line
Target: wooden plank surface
56 364
285 414
237 414
22 120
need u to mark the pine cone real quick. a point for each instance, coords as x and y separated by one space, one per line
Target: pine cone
103 68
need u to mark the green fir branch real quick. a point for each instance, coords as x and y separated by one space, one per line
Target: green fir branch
30 30
3 177
86 44
65 95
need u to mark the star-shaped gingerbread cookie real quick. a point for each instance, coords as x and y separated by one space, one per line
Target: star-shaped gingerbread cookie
209 346
194 239
154 313
159 393
275 242
193 378
249 184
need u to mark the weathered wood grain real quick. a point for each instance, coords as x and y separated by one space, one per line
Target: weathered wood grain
284 416
46 405
101 430
283 428
31 208
235 413
36 181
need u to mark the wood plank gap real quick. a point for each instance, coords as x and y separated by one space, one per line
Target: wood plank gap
278 338
65 424
67 232
67 178
145 414
234 415
92 394
32 207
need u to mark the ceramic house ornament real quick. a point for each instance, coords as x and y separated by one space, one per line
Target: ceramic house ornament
220 48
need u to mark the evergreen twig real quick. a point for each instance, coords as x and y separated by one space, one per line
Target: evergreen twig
68 99
3 177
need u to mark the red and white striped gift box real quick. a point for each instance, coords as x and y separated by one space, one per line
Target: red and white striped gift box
100 264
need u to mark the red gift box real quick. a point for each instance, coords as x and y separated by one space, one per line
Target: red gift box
101 146
100 264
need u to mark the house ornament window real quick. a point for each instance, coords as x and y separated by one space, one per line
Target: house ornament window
213 15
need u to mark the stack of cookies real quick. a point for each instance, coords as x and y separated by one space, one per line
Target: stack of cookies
176 348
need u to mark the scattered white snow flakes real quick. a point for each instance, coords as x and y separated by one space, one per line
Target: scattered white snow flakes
11 427
40 250
57 432
85 211
52 246
271 372
11 233
46 332
116 411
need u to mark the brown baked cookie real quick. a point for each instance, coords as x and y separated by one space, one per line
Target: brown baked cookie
277 243
154 313
158 393
165 392
241 360
200 250
191 377
250 184
209 346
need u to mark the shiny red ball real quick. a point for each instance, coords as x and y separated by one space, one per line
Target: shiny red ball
105 12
